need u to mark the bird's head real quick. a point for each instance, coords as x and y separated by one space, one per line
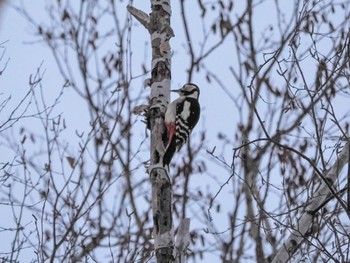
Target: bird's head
189 90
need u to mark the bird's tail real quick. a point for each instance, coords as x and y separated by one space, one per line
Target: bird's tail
169 152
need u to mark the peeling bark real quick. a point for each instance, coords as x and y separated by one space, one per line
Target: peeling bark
160 94
158 25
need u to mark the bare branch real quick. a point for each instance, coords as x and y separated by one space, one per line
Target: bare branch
141 16
302 225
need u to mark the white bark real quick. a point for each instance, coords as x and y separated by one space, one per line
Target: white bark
182 241
158 24
302 225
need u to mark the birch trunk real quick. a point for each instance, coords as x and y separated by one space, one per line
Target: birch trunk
289 247
158 25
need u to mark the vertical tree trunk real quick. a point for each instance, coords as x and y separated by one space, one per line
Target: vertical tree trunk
161 33
158 24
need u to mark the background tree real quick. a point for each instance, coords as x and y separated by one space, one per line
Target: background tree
274 82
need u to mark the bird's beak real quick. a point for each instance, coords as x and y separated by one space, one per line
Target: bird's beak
176 90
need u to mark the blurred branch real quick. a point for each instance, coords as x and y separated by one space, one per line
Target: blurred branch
288 248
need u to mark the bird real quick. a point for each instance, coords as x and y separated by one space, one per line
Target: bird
181 117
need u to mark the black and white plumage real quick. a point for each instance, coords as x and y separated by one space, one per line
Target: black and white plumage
180 118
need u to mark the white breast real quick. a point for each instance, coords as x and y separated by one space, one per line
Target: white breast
170 113
186 110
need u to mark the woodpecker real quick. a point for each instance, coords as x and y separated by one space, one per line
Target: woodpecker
180 118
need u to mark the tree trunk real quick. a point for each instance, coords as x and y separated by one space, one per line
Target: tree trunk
158 24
